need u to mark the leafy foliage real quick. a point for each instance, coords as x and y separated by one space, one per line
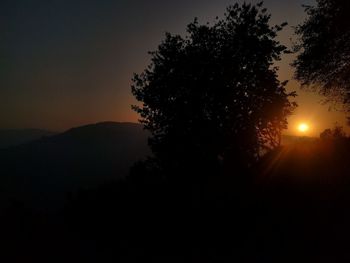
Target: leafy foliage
213 96
324 59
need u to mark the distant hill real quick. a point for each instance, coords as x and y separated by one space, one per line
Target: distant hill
290 139
13 137
82 157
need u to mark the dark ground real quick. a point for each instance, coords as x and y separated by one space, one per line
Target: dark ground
292 207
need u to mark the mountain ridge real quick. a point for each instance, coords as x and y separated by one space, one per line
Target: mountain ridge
14 137
80 158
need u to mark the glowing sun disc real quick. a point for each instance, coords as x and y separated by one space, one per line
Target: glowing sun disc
303 127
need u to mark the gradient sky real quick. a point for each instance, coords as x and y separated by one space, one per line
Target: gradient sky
65 63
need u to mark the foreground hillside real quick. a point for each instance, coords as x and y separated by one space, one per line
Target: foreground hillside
292 207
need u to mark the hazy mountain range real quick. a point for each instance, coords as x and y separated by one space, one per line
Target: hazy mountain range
13 137
82 157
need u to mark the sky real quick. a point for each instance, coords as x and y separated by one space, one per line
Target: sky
66 63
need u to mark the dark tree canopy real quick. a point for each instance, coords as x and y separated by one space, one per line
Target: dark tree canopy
324 59
333 134
213 96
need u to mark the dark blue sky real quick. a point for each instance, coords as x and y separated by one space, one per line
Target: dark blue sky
66 63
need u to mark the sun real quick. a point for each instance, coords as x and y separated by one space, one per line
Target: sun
303 127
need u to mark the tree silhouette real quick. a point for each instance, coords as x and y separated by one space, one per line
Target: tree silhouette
324 59
333 134
213 97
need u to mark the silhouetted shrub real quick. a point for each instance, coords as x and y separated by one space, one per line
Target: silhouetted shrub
333 134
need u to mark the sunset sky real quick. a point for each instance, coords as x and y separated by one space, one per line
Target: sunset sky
66 63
